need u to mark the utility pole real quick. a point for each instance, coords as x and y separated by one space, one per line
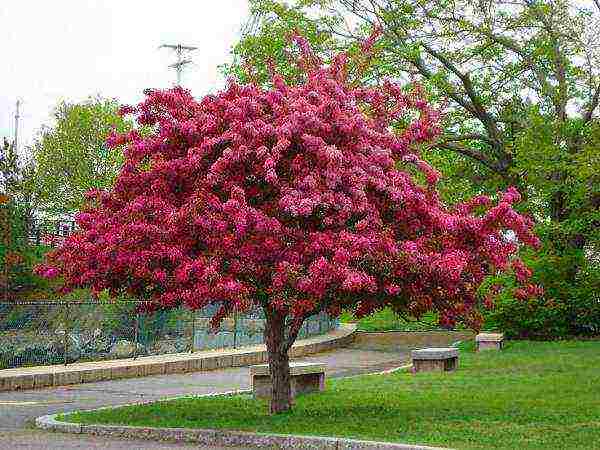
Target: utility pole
181 62
17 117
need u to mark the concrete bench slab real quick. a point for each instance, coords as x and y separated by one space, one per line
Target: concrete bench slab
305 378
489 341
434 359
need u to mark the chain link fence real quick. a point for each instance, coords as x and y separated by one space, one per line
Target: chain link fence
46 333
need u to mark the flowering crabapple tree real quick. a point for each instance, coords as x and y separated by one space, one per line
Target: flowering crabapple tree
294 199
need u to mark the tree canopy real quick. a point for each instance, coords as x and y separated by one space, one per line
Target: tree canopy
499 65
519 84
71 157
295 199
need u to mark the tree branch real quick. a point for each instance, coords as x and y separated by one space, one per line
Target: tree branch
466 137
474 106
425 72
473 154
481 113
505 41
527 60
558 58
594 102
297 325
293 333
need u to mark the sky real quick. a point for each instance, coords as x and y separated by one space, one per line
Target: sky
72 49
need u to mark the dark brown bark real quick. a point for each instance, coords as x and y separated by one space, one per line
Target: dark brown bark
279 362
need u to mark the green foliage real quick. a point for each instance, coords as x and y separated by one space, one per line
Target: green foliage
22 273
265 44
560 164
532 395
19 198
16 255
569 307
16 178
388 320
521 89
568 212
254 54
72 158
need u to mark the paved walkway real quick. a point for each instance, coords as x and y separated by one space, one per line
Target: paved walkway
19 409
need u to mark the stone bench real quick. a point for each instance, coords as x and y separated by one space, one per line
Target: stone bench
305 377
434 359
489 341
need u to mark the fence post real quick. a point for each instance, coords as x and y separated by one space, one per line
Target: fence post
137 334
193 337
66 337
235 324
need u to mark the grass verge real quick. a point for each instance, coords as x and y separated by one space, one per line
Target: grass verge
533 395
387 320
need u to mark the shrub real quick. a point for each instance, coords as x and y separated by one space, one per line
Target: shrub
19 256
569 307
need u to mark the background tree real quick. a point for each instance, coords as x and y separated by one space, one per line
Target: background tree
490 60
17 179
20 199
71 157
293 199
522 84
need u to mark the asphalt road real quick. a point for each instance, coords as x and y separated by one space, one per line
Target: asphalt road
18 410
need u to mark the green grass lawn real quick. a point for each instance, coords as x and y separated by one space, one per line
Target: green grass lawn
387 320
533 395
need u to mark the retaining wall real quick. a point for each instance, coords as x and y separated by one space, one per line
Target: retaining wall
410 339
49 376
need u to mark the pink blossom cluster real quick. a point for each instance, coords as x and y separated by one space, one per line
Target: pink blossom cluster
295 197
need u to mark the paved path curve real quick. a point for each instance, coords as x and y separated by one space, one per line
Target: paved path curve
19 409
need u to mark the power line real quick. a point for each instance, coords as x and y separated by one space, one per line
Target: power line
181 62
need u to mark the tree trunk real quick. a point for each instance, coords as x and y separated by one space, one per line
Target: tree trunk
279 363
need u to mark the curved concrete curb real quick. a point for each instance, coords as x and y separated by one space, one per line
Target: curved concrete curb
222 437
49 376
